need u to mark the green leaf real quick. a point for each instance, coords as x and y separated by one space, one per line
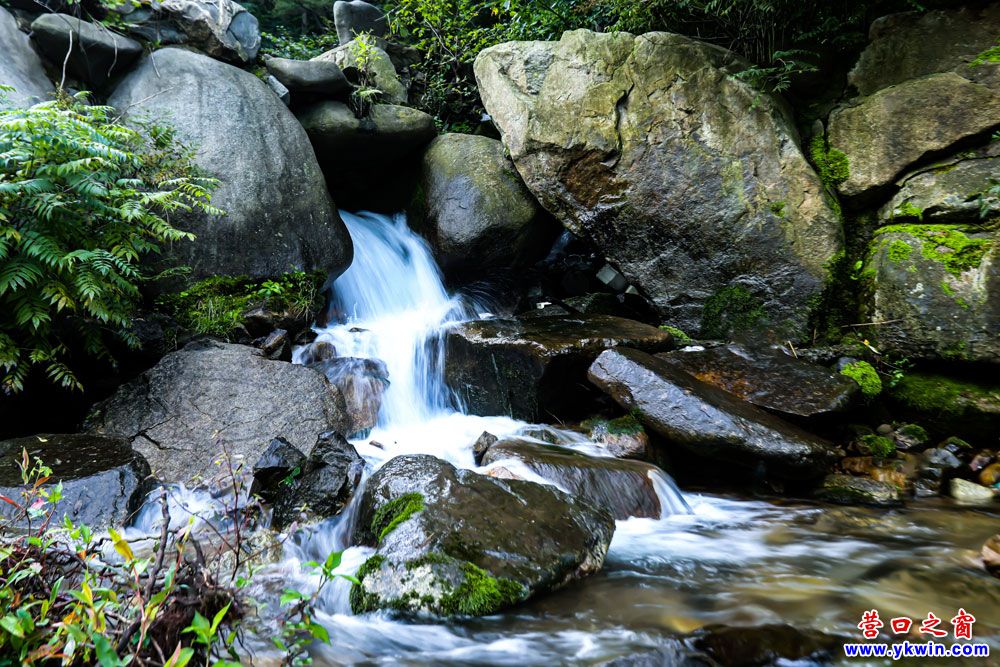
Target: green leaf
12 625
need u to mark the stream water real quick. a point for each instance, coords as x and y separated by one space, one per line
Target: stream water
710 559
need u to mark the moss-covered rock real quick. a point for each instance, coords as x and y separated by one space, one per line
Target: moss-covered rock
865 375
850 490
969 408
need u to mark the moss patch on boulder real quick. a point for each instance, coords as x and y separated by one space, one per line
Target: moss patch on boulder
946 244
866 376
732 309
395 512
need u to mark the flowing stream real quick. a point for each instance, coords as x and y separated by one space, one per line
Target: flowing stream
709 560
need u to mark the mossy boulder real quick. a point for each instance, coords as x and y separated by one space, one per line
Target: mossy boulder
684 204
452 542
934 292
476 211
947 405
850 490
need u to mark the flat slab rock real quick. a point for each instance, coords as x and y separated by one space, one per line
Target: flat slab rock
104 480
624 488
454 542
769 379
706 420
526 367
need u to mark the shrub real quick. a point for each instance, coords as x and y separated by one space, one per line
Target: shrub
83 198
282 43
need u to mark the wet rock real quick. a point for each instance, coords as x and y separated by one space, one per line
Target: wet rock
532 368
761 645
356 17
361 382
279 462
475 210
707 420
991 555
220 28
328 480
278 213
935 290
481 445
437 555
378 66
769 379
97 52
210 398
740 235
990 475
934 467
275 345
965 491
20 66
104 481
317 351
969 408
900 473
624 437
624 488
850 490
309 78
910 437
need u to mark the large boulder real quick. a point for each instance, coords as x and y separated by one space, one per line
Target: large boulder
768 378
624 488
706 420
368 161
534 368
365 63
210 399
220 28
690 180
934 291
453 542
309 78
279 216
20 66
475 210
104 481
358 17
92 52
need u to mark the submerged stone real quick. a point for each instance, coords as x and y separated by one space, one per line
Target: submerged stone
991 555
706 420
772 644
453 542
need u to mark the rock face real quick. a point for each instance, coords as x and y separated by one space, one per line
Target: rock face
356 17
769 379
20 66
956 190
183 411
534 367
326 483
706 420
936 289
220 28
377 68
278 212
104 481
97 53
435 555
623 488
309 77
689 205
475 209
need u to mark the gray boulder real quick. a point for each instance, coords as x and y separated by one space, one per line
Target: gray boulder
356 17
211 398
279 217
20 66
537 367
935 292
689 180
104 481
97 52
475 210
453 542
707 420
315 78
377 69
324 484
220 28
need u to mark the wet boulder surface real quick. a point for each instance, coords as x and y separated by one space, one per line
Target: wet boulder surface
768 378
323 483
535 367
454 542
708 421
361 383
104 480
624 488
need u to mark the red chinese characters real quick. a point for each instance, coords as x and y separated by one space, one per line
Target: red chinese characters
901 625
929 626
963 624
870 624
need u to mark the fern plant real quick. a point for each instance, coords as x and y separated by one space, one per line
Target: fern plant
83 198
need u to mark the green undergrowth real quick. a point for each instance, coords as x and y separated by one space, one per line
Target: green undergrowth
396 511
216 306
866 376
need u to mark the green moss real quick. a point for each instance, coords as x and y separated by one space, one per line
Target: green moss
866 376
481 594
831 164
878 446
778 208
730 310
914 432
395 512
216 306
678 335
946 244
908 210
940 395
899 251
361 600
